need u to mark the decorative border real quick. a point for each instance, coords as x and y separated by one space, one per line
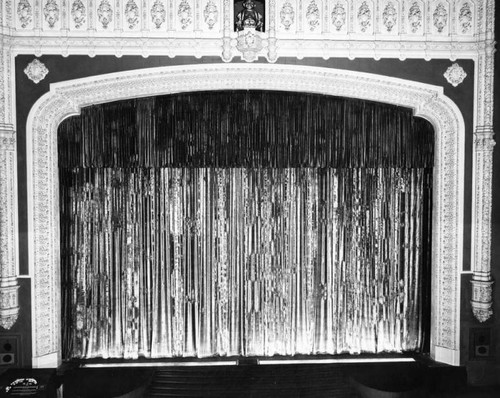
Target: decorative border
66 99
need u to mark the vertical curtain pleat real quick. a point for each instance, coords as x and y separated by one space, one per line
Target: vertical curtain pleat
250 223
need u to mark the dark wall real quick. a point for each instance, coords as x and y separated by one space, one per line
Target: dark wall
72 67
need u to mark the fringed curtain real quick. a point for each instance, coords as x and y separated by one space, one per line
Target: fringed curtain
244 223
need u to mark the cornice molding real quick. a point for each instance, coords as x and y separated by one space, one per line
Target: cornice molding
66 99
345 28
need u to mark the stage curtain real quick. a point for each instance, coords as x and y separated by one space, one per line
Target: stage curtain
244 223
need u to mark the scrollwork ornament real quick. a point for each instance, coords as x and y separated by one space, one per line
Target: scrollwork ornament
390 16
36 71
78 13
338 16
249 43
185 14
24 13
312 15
51 12
455 75
465 18
158 13
131 14
415 17
287 15
105 13
211 14
364 16
440 17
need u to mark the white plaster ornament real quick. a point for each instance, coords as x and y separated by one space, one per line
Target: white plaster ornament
364 16
158 13
313 15
440 17
249 43
211 14
390 16
132 14
465 18
338 16
105 13
24 13
455 75
36 71
415 17
51 12
184 12
287 15
78 13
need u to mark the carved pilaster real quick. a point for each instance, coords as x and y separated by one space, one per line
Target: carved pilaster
483 167
9 308
227 54
482 301
272 50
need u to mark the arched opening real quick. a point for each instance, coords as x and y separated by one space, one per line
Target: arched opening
67 98
244 223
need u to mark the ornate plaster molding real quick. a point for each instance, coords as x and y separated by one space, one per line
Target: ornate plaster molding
36 71
9 306
482 283
341 28
455 74
66 99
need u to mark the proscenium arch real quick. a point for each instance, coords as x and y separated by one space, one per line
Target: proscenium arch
67 98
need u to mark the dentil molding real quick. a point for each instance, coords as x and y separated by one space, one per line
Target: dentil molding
66 99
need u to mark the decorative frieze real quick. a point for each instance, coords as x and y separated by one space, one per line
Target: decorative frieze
366 18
